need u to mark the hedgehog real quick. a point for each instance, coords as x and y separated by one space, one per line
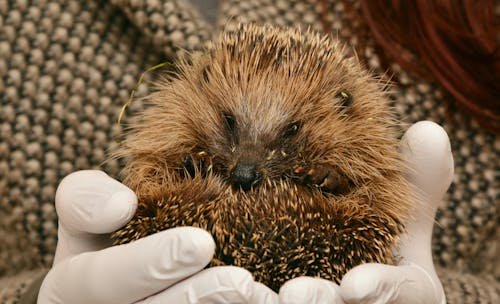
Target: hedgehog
282 146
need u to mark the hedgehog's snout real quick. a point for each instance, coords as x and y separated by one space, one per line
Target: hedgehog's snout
245 175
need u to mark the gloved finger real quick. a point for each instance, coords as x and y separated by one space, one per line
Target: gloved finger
379 284
130 272
426 149
90 204
225 284
90 201
308 290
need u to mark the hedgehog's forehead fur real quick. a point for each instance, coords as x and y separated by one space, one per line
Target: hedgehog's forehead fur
261 81
268 78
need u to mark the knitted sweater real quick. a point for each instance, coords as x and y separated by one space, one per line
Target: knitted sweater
67 67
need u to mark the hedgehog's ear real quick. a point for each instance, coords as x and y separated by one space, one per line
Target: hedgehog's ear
345 98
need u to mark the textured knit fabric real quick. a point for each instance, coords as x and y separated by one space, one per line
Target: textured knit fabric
67 67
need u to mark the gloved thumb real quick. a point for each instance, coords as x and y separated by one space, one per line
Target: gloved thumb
90 201
90 204
426 149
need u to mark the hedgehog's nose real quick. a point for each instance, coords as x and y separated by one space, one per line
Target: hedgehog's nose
245 175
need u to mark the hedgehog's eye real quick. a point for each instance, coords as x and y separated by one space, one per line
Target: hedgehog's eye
204 74
291 130
230 121
345 98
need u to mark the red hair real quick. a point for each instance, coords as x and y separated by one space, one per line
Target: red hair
455 43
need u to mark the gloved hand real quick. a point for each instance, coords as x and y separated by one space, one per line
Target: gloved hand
161 268
426 149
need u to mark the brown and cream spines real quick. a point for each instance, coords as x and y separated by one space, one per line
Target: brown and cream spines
280 145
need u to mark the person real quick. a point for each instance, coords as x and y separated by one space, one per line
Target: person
163 268
67 68
167 267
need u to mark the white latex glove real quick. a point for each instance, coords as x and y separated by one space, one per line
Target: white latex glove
162 268
426 149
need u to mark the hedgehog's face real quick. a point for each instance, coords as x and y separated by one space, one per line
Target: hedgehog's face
263 135
267 106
